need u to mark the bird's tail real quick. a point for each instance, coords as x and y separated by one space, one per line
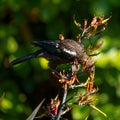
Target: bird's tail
27 57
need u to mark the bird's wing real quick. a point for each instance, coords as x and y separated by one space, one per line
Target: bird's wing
66 48
49 46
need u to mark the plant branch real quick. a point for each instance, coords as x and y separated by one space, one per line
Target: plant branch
62 103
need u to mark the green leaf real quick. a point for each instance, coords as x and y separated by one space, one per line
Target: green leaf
33 114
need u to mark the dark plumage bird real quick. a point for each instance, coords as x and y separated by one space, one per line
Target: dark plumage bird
57 52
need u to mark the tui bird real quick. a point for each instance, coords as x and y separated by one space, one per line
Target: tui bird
57 52
61 52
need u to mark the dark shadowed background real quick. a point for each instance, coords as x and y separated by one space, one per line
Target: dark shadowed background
26 84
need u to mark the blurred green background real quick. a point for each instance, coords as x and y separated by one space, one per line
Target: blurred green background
26 84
